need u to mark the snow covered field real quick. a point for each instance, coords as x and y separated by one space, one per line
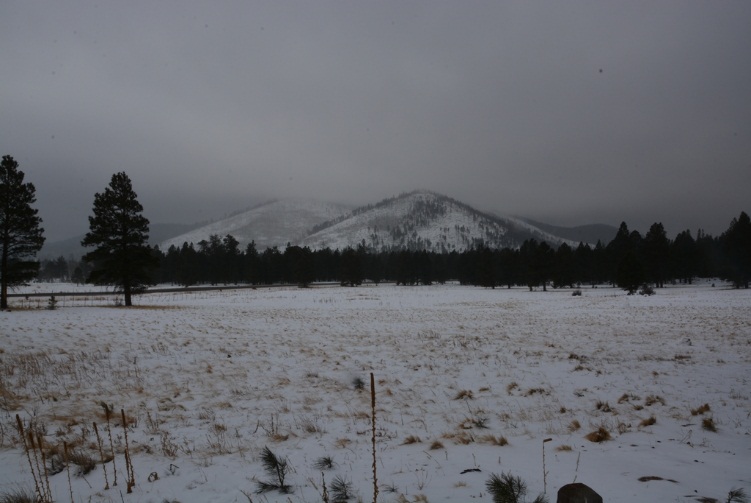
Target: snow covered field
209 379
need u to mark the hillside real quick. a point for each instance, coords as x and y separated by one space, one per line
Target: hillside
271 224
581 233
422 220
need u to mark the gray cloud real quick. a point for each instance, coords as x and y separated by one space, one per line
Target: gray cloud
570 112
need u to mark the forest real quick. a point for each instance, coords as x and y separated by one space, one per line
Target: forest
630 261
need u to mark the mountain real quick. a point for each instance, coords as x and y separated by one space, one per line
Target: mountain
582 233
423 220
270 224
416 220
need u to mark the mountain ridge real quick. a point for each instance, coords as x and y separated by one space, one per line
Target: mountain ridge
416 220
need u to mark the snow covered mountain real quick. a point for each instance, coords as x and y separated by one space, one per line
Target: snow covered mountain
419 220
423 220
271 224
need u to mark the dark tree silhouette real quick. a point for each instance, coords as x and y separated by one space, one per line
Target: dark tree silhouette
736 245
630 274
120 234
655 250
20 232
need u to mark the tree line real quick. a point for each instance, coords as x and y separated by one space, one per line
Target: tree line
121 256
629 260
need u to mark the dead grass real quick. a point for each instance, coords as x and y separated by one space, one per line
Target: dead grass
627 397
536 391
461 438
412 439
603 406
574 426
599 435
500 440
648 422
700 410
652 400
464 394
708 424
564 448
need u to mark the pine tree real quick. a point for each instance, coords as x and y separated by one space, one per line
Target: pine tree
736 245
20 232
120 234
656 249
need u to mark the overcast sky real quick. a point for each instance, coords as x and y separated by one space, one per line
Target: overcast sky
567 112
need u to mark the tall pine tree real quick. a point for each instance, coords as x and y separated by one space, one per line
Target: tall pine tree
20 232
120 234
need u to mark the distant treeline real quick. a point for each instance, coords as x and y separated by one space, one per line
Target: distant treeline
630 260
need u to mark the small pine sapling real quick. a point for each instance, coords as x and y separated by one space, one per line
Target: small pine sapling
276 468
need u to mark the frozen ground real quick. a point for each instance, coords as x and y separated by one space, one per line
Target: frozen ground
208 380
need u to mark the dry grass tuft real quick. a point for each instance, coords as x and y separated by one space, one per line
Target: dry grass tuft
536 391
626 397
599 435
511 387
708 424
700 410
412 439
564 448
648 422
603 406
465 393
574 426
461 438
653 399
437 444
500 441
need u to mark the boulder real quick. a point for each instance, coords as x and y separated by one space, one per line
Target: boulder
578 493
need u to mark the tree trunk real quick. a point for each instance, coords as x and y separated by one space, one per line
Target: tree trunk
127 295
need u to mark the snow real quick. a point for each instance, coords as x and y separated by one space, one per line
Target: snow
273 224
219 375
456 228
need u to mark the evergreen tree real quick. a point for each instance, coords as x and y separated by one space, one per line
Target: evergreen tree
351 268
736 246
120 233
20 232
684 257
656 249
630 273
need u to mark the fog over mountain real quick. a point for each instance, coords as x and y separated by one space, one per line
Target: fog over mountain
568 113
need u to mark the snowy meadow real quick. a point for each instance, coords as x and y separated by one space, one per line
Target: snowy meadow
642 398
